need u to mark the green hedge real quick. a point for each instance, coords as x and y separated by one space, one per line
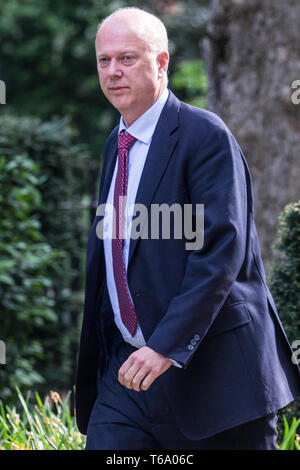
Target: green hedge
26 261
285 276
284 281
42 238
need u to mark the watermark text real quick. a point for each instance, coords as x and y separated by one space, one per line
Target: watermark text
295 96
2 352
2 92
296 353
161 221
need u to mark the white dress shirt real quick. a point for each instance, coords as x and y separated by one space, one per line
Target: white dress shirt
142 129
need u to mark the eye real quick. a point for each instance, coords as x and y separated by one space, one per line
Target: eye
103 61
127 59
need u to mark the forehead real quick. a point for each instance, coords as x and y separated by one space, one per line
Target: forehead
118 36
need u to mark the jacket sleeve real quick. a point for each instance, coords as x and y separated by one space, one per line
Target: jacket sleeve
216 178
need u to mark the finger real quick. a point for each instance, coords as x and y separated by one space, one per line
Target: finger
129 375
123 370
153 374
138 378
148 381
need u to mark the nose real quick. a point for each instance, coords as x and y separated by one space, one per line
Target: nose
114 69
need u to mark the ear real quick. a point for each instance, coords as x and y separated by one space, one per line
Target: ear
163 63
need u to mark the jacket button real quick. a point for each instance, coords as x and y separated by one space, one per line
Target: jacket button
196 337
190 347
193 342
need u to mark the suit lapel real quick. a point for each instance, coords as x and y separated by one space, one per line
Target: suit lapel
159 154
108 168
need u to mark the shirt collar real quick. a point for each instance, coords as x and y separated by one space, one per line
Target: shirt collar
143 128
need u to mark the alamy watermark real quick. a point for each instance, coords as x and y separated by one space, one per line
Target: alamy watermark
296 354
2 92
162 221
2 352
295 96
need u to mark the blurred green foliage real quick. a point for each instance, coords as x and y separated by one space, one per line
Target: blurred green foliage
285 274
49 425
290 438
284 281
48 57
25 262
40 241
48 63
190 79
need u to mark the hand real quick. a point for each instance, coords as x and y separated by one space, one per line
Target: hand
141 369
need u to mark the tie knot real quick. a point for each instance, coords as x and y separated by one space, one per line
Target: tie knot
125 140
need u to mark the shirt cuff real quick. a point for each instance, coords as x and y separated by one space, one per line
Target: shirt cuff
175 363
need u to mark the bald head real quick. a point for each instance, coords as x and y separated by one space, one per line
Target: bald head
148 27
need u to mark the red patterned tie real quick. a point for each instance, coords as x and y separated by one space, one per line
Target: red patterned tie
128 315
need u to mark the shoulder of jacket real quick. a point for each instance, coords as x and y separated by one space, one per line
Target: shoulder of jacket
111 138
201 116
203 124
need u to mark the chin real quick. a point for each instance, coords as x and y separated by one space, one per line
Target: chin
120 103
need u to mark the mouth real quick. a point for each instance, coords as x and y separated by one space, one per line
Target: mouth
118 89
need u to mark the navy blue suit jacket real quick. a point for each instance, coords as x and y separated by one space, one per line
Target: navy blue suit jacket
209 309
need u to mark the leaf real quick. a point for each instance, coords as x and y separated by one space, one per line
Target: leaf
289 434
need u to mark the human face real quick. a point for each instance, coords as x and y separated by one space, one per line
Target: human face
130 73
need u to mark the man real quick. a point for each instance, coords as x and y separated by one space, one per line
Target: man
180 348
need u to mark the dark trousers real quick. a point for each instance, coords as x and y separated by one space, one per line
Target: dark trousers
123 419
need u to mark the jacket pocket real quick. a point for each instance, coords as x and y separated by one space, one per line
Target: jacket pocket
230 317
